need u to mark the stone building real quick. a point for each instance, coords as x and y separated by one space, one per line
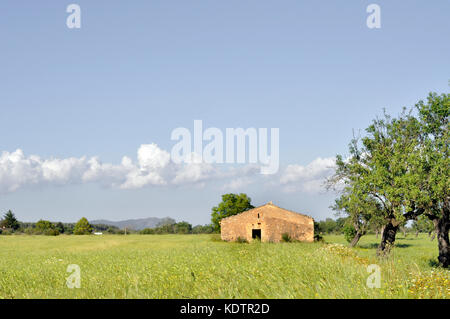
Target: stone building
268 222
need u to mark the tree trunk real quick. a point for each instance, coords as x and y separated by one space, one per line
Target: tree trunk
387 239
356 239
442 226
377 232
417 234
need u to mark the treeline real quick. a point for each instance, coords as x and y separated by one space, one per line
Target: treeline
10 225
178 228
330 226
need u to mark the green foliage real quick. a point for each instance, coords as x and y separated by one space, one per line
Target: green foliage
285 237
10 221
6 232
318 237
422 225
241 240
206 229
147 231
82 227
60 227
173 228
329 226
232 204
182 228
43 226
349 233
399 170
51 232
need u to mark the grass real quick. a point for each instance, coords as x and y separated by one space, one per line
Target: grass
200 266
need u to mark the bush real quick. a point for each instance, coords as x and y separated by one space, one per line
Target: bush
147 231
51 232
42 226
206 229
215 237
182 228
285 237
7 232
60 227
318 237
29 231
241 240
349 232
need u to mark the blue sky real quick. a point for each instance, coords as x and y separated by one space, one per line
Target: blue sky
137 70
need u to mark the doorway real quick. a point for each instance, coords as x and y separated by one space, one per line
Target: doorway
256 234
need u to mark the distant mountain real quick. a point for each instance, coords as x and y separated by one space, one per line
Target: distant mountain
136 224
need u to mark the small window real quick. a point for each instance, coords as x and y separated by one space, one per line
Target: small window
258 215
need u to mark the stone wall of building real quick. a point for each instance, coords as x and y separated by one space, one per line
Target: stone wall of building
272 220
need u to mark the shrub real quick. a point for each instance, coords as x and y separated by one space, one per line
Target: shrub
51 232
349 232
183 228
241 240
29 231
285 237
7 232
215 237
147 231
318 237
60 227
206 229
42 226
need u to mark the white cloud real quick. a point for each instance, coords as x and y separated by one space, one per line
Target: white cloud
309 178
152 168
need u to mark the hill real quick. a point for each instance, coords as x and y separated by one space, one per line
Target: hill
136 224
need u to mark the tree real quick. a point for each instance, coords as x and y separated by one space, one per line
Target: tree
44 225
361 211
82 227
433 166
47 228
203 229
403 164
10 221
60 227
350 234
183 228
232 204
379 171
422 225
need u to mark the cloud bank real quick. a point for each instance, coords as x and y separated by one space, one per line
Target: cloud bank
153 167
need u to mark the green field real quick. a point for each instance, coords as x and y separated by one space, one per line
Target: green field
201 266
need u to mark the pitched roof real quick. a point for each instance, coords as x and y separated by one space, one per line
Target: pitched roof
270 204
